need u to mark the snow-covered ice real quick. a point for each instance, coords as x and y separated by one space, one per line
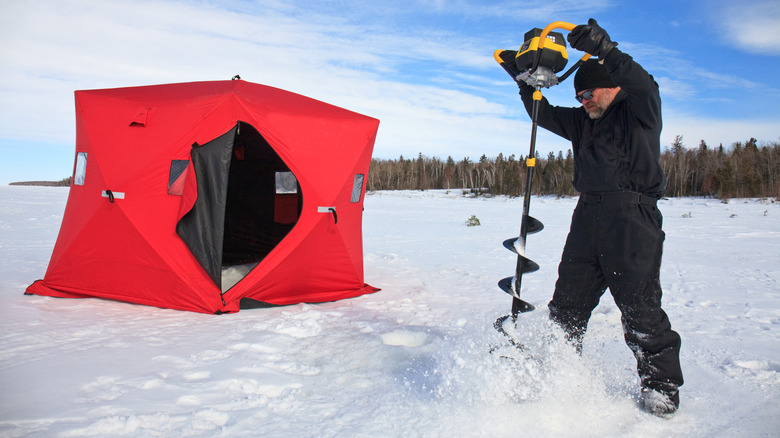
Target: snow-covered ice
411 360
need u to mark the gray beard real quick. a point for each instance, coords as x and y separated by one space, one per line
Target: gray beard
596 114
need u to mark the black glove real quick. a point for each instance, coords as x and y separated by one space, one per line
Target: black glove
591 38
510 66
508 63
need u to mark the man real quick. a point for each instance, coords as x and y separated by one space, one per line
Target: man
615 240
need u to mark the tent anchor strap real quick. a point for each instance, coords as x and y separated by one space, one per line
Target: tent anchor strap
112 195
331 210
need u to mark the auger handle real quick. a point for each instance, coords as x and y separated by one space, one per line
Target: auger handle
552 26
543 38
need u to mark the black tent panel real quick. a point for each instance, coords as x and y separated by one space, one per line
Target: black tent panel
242 211
202 228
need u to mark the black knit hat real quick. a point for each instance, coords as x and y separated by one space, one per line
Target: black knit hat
592 74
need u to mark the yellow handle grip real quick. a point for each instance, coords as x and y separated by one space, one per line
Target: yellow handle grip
497 56
558 25
552 26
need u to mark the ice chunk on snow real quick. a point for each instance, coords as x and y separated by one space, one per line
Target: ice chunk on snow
405 338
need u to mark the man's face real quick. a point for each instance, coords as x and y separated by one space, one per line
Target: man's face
596 106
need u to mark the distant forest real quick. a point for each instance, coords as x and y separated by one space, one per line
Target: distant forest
65 182
744 170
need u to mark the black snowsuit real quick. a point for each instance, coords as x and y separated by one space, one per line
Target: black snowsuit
616 240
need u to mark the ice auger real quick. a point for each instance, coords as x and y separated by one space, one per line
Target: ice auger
542 55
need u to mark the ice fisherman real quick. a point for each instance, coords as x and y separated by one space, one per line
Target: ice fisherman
616 239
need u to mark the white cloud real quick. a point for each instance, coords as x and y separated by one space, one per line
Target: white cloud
752 26
55 47
534 10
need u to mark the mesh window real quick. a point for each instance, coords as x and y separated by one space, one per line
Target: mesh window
81 169
357 188
177 176
286 183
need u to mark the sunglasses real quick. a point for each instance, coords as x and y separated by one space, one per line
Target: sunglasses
588 94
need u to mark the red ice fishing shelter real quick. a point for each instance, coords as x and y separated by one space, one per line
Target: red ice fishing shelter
207 196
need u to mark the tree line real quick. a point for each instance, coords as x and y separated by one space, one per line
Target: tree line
744 170
65 182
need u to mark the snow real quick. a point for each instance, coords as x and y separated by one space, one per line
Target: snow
411 360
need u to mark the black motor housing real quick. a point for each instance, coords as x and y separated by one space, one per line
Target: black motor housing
553 53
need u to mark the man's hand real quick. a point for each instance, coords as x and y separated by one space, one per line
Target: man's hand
510 66
591 38
508 63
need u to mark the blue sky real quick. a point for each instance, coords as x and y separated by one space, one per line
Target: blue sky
423 68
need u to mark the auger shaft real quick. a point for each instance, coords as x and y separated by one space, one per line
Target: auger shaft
523 265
